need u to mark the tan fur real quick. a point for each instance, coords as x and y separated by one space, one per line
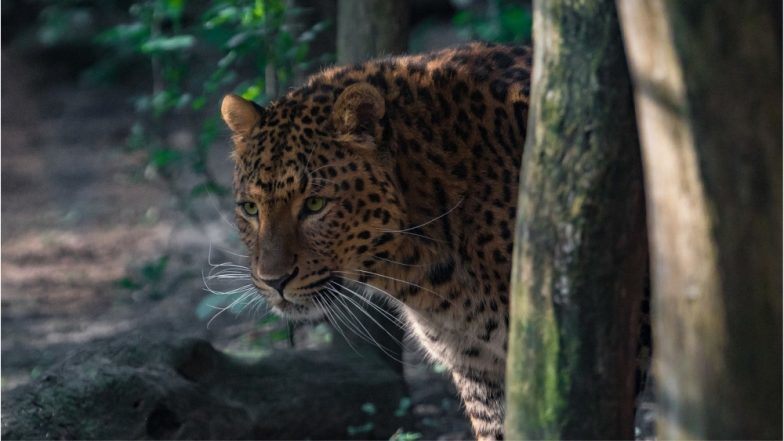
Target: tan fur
239 114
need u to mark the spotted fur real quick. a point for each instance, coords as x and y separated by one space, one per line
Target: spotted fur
417 158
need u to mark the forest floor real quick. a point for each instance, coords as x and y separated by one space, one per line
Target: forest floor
79 216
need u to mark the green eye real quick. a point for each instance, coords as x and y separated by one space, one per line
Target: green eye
250 208
314 204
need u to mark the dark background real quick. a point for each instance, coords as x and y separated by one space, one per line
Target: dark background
115 170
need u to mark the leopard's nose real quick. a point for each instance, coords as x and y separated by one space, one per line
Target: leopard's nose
278 283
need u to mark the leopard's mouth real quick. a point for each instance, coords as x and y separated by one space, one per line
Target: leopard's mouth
304 303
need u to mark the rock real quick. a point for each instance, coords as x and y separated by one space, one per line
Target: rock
136 388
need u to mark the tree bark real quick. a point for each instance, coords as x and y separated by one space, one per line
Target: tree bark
371 28
580 251
308 14
708 92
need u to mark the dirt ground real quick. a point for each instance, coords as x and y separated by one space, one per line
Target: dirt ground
78 215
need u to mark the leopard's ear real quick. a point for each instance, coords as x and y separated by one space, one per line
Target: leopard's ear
358 109
240 114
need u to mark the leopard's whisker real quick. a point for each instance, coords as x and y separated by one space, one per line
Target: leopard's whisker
242 306
239 290
230 272
409 233
307 162
374 288
428 222
365 334
310 173
396 262
228 265
351 326
256 306
244 256
214 204
231 305
387 296
358 306
385 314
209 257
318 300
361 272
228 277
389 316
216 273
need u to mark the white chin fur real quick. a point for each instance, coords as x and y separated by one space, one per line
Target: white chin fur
297 312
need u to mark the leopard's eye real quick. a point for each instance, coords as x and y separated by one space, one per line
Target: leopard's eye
250 208
314 204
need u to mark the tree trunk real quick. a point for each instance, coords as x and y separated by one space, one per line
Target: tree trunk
707 80
367 29
580 251
371 28
309 13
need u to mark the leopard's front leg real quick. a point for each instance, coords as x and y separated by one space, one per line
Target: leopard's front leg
483 397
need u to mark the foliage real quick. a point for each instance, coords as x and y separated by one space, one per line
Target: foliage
360 429
400 435
503 21
147 278
64 22
403 407
196 54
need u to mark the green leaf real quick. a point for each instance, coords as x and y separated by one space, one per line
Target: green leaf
403 407
252 92
356 430
227 60
174 8
406 436
199 103
462 18
237 40
164 157
183 100
224 15
127 283
369 408
279 335
122 33
153 271
168 44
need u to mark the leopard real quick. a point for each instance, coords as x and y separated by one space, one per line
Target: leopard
396 177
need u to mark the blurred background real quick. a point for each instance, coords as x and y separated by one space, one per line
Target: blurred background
116 204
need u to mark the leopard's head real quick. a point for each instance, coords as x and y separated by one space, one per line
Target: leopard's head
316 199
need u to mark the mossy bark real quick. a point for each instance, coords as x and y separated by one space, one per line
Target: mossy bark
580 250
708 92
